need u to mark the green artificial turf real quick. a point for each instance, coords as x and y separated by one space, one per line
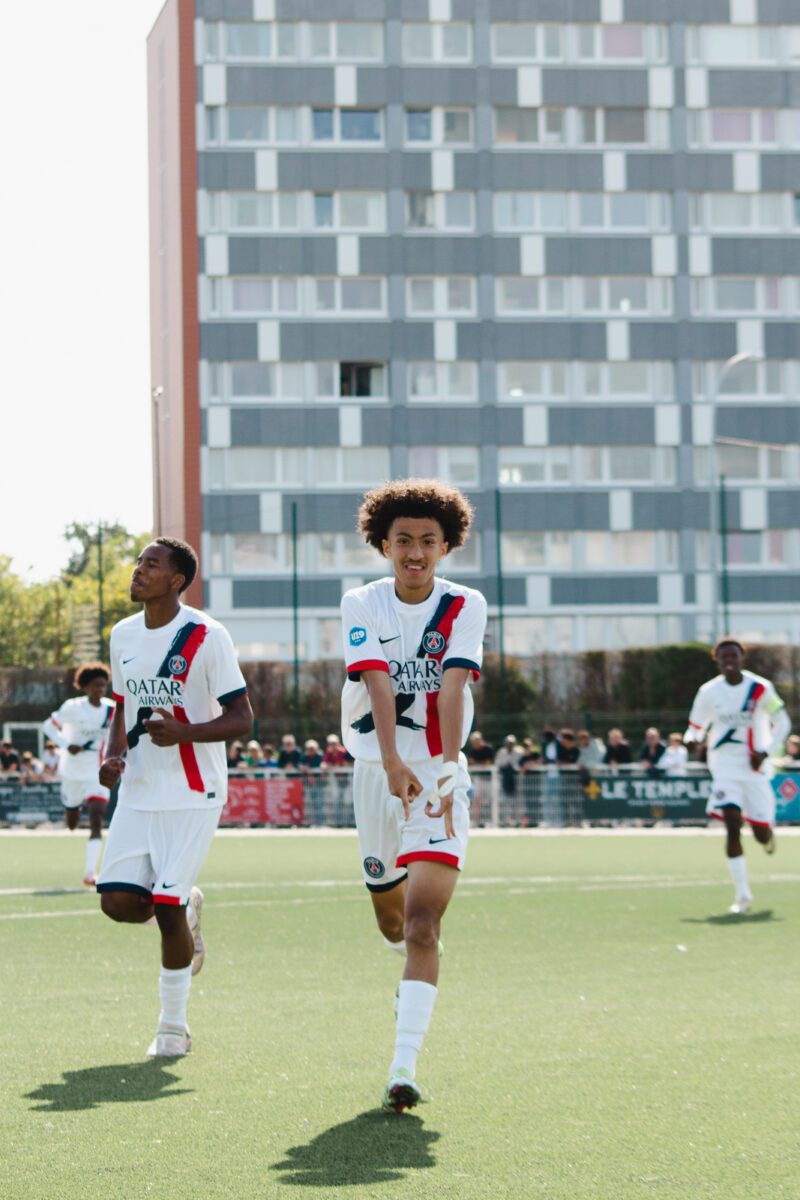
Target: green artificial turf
604 1029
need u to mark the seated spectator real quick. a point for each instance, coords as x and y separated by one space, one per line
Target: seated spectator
507 762
31 768
235 755
618 751
253 754
290 753
566 750
50 760
530 757
791 756
590 752
479 752
674 759
651 750
9 759
311 758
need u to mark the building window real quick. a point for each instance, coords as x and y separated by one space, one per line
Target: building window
439 126
732 294
769 377
248 39
716 211
263 295
360 379
522 380
534 548
350 210
360 41
440 295
346 125
530 210
443 381
456 464
440 211
522 294
732 44
524 41
330 297
435 42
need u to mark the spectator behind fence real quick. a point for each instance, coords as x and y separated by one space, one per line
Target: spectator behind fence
235 756
290 753
590 753
31 768
9 759
335 754
50 760
549 746
268 756
311 759
507 762
530 757
675 757
253 755
618 751
791 756
566 750
651 751
479 752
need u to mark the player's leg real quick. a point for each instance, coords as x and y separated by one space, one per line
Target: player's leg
96 808
737 864
388 903
72 816
759 810
179 843
378 825
125 881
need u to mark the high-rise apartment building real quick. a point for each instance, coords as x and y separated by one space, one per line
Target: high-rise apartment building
542 250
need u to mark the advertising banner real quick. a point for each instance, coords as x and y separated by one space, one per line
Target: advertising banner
277 801
628 798
31 804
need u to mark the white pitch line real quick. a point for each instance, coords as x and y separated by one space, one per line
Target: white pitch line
620 883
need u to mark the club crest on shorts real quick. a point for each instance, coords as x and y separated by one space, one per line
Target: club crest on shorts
177 664
433 642
719 795
374 868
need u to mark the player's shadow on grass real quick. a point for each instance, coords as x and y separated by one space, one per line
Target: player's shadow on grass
375 1147
751 918
116 1084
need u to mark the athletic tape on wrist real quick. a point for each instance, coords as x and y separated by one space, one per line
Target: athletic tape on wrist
448 772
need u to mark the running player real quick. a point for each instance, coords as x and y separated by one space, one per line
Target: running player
412 642
746 721
180 695
79 727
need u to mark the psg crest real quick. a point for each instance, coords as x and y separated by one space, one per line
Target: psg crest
177 664
374 867
433 642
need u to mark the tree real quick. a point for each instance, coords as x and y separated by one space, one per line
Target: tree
32 619
120 549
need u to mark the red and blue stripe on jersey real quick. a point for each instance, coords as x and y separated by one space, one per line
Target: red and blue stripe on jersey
442 623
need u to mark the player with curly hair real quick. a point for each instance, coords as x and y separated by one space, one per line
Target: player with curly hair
412 642
80 728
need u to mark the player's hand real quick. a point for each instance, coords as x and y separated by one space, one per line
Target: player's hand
110 771
74 749
165 730
757 758
404 784
443 797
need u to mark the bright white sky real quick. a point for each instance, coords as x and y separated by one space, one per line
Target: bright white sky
76 377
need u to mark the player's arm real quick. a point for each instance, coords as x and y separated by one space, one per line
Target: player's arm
699 720
402 780
235 720
450 703
113 763
53 728
779 727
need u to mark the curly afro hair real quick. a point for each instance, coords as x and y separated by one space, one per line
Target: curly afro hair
89 671
415 498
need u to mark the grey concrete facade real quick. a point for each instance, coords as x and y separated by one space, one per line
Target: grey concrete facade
603 288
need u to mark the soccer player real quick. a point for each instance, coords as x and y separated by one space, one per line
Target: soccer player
180 695
745 721
412 642
79 727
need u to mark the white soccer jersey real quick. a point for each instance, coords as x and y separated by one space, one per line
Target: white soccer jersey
79 723
189 668
414 644
740 718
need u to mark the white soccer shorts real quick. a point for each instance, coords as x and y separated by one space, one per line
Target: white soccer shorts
752 794
75 792
157 854
387 841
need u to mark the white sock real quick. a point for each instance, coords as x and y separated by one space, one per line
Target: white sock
414 1011
738 869
93 848
398 947
173 987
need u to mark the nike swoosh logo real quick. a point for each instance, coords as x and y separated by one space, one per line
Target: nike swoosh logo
433 841
389 639
168 885
127 660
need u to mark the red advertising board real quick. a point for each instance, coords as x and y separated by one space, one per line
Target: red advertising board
264 802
